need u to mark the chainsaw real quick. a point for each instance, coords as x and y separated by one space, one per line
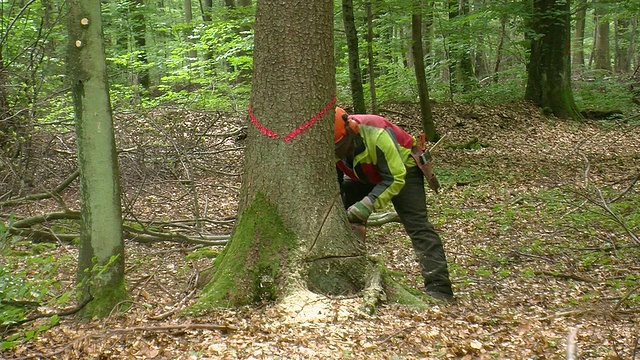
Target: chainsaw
424 160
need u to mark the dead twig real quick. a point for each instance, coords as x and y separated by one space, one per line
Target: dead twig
59 314
45 195
565 276
396 334
563 314
625 191
178 305
624 298
604 205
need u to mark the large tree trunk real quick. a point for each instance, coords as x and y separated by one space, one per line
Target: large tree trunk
428 126
292 234
549 67
101 260
355 74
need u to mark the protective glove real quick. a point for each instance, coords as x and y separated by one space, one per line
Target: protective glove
360 211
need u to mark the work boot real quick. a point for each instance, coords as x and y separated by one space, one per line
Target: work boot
448 298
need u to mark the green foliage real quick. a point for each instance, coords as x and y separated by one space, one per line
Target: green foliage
605 92
27 282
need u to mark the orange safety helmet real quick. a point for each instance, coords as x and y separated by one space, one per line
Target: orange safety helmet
340 129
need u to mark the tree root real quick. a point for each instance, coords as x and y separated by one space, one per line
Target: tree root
383 288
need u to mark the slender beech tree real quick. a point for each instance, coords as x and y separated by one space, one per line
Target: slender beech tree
428 126
622 58
292 235
601 51
577 48
355 74
462 75
101 259
139 30
549 67
370 57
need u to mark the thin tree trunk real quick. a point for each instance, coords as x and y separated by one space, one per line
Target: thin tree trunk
461 68
577 59
139 31
496 66
622 61
355 74
370 58
632 42
602 56
423 90
206 7
481 65
188 17
101 258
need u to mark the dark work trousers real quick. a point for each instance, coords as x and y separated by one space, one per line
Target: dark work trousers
411 206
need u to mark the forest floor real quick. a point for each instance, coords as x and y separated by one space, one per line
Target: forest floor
536 255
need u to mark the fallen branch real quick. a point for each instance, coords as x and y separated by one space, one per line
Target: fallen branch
184 327
624 298
45 195
563 314
178 305
616 218
634 181
59 314
396 334
24 227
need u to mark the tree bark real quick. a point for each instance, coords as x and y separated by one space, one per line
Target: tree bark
549 67
577 58
355 74
461 68
503 30
207 6
602 56
101 258
188 18
292 234
622 36
481 64
428 125
139 30
370 58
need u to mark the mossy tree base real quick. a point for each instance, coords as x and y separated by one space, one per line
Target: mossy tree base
265 261
105 299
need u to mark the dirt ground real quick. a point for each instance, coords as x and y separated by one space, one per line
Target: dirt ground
520 276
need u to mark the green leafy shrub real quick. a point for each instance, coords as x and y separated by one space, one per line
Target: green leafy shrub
27 282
